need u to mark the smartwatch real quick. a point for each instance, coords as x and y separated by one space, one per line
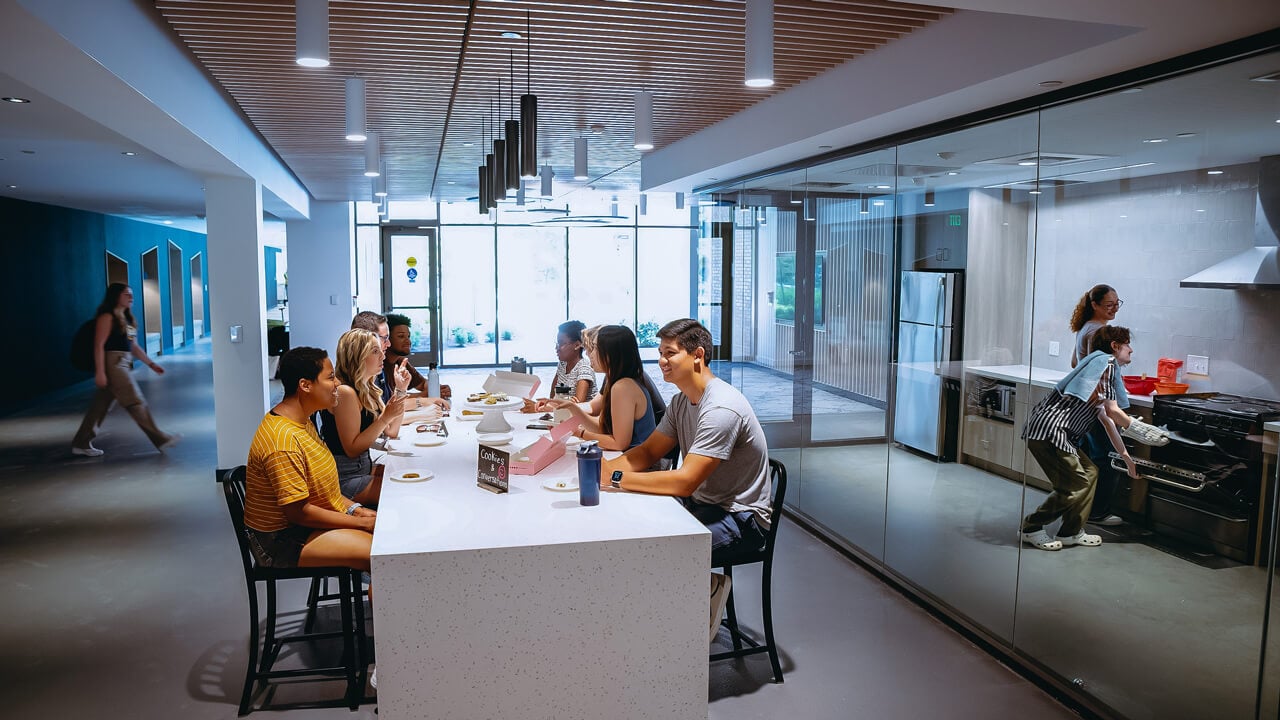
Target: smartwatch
351 509
616 480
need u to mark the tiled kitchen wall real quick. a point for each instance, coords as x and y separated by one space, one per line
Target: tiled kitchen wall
1143 236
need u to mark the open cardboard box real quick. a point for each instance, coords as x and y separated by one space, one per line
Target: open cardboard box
516 385
532 459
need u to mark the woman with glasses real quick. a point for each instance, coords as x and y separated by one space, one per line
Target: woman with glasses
574 376
1095 310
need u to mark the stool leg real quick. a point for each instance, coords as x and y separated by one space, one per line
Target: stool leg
766 604
249 677
268 654
348 642
362 647
313 599
732 612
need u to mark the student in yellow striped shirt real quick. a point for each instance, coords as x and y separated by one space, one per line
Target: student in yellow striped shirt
295 512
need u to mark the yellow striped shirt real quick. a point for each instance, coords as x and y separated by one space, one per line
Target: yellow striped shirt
288 462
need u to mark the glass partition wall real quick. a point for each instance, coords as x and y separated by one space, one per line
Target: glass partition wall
896 316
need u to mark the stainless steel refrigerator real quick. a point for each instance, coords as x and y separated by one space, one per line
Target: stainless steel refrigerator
926 400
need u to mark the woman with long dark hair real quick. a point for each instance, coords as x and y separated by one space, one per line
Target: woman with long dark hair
628 409
115 344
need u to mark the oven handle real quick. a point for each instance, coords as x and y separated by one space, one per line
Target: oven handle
1198 478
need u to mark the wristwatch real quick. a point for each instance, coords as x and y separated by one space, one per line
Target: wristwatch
351 509
616 480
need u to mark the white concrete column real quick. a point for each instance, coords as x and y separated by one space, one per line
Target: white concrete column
321 258
233 208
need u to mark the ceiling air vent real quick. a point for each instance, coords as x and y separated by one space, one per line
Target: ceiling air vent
1044 160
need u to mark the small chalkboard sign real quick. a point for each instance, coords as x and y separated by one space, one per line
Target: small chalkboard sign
493 469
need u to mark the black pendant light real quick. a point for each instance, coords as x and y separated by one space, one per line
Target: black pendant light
499 157
486 173
512 168
528 112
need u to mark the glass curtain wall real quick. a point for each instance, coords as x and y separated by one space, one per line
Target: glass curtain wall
931 293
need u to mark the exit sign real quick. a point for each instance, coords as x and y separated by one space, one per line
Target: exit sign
954 220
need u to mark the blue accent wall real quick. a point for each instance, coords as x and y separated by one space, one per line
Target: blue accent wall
53 269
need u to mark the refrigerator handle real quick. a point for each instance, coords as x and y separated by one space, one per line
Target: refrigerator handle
937 325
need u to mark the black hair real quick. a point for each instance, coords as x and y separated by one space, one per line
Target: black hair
688 334
573 330
111 299
395 320
618 352
300 363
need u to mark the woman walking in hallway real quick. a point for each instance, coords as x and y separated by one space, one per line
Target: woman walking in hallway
114 347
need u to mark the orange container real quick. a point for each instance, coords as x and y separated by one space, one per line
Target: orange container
1171 388
1167 370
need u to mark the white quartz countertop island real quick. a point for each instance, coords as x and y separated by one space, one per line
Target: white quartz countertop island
528 604
1037 376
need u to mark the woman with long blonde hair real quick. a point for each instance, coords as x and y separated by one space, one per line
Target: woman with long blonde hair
360 416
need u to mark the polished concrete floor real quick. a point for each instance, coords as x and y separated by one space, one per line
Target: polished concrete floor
124 596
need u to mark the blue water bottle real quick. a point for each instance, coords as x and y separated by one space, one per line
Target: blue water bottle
589 457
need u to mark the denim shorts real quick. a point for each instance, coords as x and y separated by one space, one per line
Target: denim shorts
733 535
278 548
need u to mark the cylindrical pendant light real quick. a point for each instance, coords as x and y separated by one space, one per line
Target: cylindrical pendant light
512 170
644 204
547 174
679 201
372 155
482 199
759 66
613 206
528 111
520 193
644 121
864 207
580 158
311 33
380 186
355 110
493 187
928 198
500 169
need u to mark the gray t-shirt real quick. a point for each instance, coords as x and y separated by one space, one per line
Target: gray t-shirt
723 426
1084 339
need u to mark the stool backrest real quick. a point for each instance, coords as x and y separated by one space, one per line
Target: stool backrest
778 479
232 482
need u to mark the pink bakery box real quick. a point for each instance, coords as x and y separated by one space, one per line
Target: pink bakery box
533 459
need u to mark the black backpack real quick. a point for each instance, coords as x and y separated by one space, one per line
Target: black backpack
82 346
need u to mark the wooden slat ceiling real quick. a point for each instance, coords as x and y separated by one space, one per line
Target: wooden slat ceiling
588 58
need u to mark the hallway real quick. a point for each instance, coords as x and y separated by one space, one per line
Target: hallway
125 597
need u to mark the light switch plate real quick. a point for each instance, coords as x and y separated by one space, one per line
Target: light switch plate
237 332
1055 349
1198 364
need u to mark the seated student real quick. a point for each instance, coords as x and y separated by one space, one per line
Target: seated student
399 349
623 415
572 372
723 479
295 512
376 324
360 417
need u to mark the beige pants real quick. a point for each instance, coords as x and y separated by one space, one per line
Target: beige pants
121 388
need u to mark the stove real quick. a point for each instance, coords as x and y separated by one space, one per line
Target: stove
1217 440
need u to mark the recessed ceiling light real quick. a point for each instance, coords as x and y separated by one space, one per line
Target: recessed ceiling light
1199 209
878 203
129 153
1026 163
17 100
1033 192
1050 83
953 172
511 35
1130 91
1213 172
1124 216
168 222
468 144
1186 135
598 129
1156 140
28 152
824 147
13 187
450 182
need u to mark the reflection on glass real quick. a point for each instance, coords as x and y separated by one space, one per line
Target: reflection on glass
662 287
368 268
532 263
602 276
467 295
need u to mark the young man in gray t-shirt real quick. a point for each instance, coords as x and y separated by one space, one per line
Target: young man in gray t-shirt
724 476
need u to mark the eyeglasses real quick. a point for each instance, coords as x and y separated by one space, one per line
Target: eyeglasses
1117 304
384 338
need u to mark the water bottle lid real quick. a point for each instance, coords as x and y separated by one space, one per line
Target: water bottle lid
587 447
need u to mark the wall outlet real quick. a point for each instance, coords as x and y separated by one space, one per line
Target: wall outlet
1198 364
1055 349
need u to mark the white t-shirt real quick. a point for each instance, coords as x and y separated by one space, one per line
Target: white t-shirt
1084 339
581 371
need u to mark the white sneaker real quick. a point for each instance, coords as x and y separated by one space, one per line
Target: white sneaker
373 678
90 451
720 585
1145 433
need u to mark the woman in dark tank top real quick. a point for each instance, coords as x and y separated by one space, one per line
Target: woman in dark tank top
627 411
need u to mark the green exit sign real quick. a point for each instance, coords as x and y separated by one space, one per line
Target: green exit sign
954 220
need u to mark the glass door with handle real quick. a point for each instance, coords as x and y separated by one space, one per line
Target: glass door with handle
410 268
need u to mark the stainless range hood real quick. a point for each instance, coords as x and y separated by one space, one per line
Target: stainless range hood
1257 268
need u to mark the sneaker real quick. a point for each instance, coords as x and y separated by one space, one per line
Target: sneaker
90 451
1041 539
720 585
1145 433
373 677
1081 538
1108 521
173 440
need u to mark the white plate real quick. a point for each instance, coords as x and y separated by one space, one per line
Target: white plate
508 404
428 440
422 475
467 418
494 438
561 484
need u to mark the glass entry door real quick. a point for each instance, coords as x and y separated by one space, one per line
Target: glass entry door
410 262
